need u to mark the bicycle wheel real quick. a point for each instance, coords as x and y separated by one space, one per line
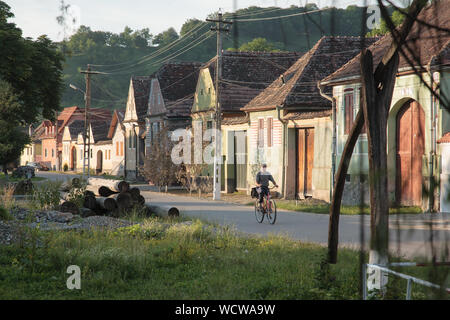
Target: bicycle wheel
258 214
272 212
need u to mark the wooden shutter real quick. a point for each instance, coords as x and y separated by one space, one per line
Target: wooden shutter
261 133
269 132
363 130
348 112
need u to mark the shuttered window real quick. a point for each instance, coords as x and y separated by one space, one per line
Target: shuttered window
348 112
269 132
121 148
117 148
261 133
363 130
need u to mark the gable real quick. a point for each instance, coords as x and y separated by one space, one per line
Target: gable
66 134
205 94
130 111
156 102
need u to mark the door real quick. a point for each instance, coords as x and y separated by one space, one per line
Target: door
410 150
99 161
240 159
305 159
73 160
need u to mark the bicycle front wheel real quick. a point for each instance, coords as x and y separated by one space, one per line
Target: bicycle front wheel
258 213
272 212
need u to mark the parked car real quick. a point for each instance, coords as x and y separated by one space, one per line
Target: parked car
38 166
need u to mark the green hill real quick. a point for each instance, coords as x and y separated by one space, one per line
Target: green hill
140 53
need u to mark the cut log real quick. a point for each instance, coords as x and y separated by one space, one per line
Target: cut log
67 206
89 193
114 185
140 201
86 212
108 204
90 202
164 211
124 200
93 189
135 193
105 191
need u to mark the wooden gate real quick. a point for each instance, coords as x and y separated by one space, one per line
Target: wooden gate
410 150
305 159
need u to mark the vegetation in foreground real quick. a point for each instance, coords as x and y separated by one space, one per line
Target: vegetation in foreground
179 261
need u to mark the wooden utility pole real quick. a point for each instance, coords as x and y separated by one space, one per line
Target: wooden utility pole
218 114
87 120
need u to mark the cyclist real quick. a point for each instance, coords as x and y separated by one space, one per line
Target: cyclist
262 180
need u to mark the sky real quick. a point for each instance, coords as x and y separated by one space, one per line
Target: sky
37 17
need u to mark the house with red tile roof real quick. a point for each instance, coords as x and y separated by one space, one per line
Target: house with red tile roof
417 119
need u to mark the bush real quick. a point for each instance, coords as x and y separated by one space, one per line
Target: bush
65 167
4 214
46 196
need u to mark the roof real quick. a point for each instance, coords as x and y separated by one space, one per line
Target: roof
445 138
100 129
241 119
64 117
429 44
246 74
178 81
141 88
307 115
75 127
298 85
116 120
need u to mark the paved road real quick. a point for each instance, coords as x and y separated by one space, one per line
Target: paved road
413 230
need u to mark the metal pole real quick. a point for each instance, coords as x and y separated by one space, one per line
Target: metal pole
408 289
364 281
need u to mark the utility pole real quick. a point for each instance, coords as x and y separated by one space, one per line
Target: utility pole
218 114
87 121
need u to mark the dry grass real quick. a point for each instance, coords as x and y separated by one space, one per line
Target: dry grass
7 196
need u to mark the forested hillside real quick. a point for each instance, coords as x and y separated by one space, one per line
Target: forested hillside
141 53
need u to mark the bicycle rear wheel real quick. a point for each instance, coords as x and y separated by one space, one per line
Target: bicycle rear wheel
258 213
272 212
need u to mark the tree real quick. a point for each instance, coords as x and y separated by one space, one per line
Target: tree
12 139
397 18
35 75
189 25
258 45
165 37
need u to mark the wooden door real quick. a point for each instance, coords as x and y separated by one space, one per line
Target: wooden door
73 159
410 150
99 168
305 160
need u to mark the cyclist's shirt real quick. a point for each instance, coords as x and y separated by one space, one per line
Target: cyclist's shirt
263 178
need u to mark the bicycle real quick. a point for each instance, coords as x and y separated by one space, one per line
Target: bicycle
269 209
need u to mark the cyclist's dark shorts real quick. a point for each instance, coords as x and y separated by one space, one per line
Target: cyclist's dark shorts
264 192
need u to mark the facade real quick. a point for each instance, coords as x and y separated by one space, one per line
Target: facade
134 124
290 122
172 91
117 135
244 76
71 150
33 151
416 119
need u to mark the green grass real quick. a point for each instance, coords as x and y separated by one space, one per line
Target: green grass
189 262
346 210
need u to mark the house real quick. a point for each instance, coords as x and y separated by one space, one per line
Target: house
71 154
117 135
172 91
33 151
134 124
291 125
416 118
244 75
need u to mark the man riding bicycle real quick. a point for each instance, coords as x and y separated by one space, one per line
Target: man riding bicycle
262 180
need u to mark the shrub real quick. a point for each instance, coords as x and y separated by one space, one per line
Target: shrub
4 214
7 196
65 167
46 196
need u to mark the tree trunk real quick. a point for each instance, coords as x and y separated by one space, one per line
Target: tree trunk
105 191
164 211
124 200
90 202
114 185
67 206
135 193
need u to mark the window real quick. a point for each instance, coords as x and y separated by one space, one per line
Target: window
106 155
81 154
348 112
209 124
117 148
53 153
201 92
269 132
121 148
260 133
109 154
363 130
46 153
91 154
159 99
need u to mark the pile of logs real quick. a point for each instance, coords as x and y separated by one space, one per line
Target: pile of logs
110 197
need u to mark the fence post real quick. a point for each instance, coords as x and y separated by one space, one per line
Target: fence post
408 289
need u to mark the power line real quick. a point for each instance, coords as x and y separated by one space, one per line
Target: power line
281 17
